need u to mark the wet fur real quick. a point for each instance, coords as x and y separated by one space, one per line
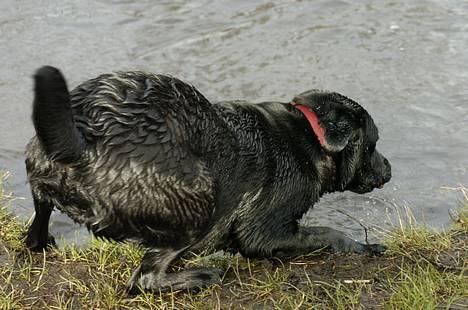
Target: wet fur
133 155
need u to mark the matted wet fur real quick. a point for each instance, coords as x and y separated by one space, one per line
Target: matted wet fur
146 157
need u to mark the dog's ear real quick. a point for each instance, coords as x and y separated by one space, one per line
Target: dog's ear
337 117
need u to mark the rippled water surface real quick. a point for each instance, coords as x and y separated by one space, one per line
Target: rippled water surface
406 62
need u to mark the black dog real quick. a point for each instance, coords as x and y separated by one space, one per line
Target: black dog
146 157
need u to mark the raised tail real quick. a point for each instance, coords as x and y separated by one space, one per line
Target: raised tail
53 118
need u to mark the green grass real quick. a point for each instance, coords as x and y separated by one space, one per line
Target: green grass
424 287
422 269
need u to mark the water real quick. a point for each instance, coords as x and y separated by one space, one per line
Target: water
406 62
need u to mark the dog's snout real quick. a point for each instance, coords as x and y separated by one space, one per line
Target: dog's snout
388 171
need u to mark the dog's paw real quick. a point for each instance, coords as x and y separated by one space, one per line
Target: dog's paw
375 249
35 244
191 280
351 246
194 280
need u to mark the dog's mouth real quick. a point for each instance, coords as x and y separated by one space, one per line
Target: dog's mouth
381 184
366 188
362 189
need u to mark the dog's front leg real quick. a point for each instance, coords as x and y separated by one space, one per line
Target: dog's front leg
325 237
301 241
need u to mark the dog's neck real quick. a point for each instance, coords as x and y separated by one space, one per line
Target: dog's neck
327 170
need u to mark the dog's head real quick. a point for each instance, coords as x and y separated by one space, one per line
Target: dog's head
350 136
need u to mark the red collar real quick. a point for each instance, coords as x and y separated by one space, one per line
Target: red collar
313 121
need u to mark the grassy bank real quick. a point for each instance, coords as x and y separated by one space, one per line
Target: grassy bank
422 269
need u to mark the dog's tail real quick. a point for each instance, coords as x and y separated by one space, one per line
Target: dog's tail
53 118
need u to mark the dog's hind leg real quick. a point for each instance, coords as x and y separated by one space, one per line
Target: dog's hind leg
38 237
151 274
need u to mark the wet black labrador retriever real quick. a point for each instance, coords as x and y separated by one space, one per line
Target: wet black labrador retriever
146 157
